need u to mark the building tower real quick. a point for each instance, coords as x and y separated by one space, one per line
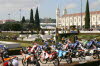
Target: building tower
57 16
64 11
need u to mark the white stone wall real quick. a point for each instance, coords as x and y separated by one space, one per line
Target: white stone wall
76 20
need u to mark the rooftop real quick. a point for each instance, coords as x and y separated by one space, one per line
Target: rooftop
79 14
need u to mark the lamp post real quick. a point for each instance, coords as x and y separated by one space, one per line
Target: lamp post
20 14
9 16
96 21
81 16
91 21
69 23
77 22
73 20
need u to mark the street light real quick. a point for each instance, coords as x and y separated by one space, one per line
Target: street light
96 20
20 14
9 16
81 15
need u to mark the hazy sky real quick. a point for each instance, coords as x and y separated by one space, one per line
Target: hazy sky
47 8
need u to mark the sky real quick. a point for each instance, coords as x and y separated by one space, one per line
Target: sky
47 8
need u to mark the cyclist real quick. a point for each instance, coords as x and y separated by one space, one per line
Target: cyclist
34 48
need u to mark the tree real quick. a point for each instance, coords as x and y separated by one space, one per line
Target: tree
12 26
16 26
22 22
31 24
31 17
37 20
87 17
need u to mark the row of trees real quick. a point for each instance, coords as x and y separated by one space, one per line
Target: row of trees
34 24
11 26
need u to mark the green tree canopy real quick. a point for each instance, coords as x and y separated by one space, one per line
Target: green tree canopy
87 17
23 20
31 17
37 20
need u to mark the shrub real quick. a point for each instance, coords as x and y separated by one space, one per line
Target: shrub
39 40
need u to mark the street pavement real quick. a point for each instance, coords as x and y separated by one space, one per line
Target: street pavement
62 63
87 58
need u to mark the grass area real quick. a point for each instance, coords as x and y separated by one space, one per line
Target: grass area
9 34
88 37
24 43
15 49
29 43
80 36
16 41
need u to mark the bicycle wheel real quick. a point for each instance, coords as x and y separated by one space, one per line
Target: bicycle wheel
56 62
96 56
81 58
34 63
69 60
24 63
43 61
60 59
37 63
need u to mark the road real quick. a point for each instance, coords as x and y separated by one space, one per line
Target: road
62 63
87 58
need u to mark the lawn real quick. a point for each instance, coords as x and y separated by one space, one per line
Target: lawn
89 37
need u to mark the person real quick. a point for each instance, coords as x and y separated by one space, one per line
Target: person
59 45
63 39
1 54
34 48
15 62
29 49
75 38
89 45
68 41
76 44
5 52
46 43
1 58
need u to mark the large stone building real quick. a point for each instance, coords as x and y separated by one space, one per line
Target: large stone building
67 20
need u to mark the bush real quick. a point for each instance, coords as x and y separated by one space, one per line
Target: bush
39 40
98 38
8 36
14 52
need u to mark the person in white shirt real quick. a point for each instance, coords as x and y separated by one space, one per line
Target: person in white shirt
15 62
34 47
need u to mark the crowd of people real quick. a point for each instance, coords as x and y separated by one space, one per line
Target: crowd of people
78 48
85 47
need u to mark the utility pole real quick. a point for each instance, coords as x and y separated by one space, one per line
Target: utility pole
9 16
96 20
81 16
20 14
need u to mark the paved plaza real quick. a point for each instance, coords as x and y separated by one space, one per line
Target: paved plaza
63 62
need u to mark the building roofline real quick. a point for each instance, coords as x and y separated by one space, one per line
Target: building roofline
79 14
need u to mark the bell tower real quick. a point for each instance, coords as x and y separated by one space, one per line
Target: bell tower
57 16
64 11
